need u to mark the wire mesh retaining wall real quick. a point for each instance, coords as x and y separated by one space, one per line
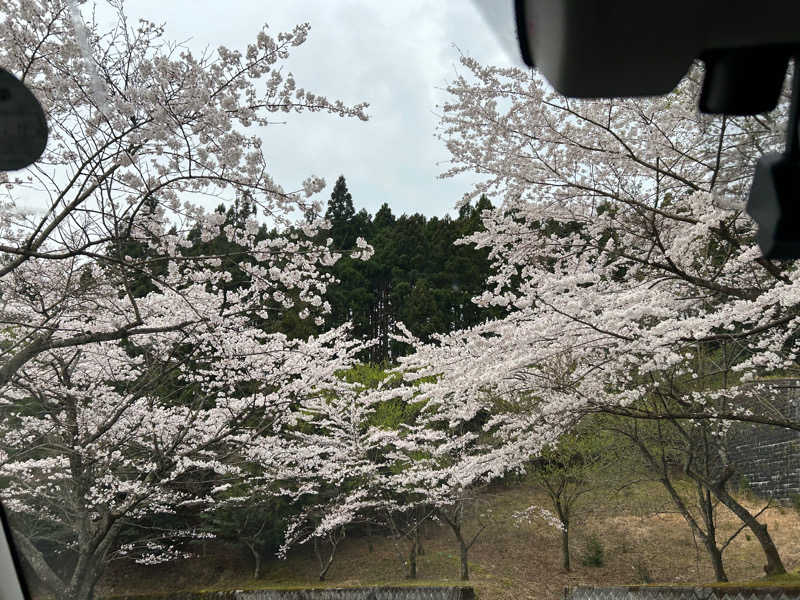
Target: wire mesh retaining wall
373 593
365 593
680 593
768 458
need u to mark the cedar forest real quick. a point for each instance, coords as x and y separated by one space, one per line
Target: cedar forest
417 275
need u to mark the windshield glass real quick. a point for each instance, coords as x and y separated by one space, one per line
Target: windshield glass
338 294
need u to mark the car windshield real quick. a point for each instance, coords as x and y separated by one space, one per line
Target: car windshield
341 294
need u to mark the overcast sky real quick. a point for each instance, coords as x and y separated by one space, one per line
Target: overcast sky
398 56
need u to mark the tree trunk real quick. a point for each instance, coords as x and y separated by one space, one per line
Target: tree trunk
37 561
88 569
464 564
707 511
325 570
716 560
418 538
774 564
256 560
455 523
325 564
95 558
79 590
708 537
561 504
565 545
412 561
463 547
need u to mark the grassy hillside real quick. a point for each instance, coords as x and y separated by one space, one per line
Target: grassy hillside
642 540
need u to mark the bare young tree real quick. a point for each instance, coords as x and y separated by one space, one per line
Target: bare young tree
454 515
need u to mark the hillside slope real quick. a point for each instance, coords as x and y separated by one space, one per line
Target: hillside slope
642 540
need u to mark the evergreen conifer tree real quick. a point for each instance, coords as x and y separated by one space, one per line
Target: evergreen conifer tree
340 213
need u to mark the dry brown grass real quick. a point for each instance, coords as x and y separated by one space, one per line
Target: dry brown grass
637 528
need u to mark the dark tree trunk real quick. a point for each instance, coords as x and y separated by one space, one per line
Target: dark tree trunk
562 506
38 563
463 550
325 563
464 563
455 522
707 511
708 536
774 564
718 487
256 560
463 547
716 561
412 561
88 568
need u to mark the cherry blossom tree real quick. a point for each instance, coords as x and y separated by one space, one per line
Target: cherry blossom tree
447 462
621 254
141 132
93 441
622 229
334 462
346 467
113 393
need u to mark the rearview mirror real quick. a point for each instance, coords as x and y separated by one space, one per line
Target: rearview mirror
613 48
23 129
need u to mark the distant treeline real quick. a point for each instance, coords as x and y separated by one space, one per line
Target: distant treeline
417 276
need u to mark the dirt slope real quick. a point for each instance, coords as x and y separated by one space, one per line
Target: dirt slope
642 541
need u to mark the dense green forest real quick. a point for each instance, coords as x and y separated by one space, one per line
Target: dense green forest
417 276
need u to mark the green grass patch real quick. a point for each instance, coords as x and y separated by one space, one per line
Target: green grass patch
787 580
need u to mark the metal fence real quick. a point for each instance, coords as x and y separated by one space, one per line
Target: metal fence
366 593
680 593
374 593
